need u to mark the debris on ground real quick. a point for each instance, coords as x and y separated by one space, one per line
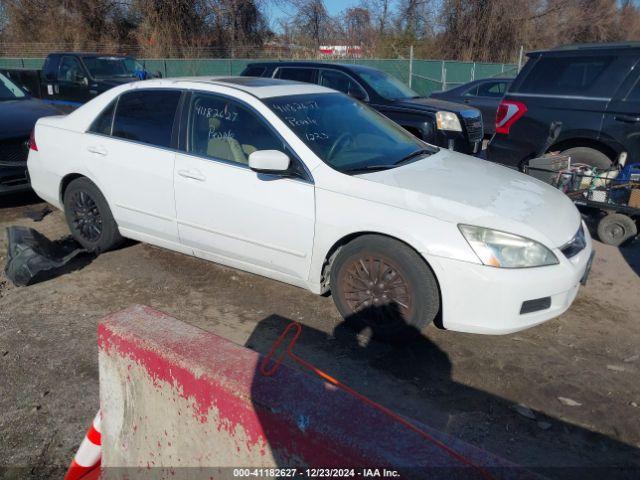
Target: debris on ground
38 214
524 411
32 257
615 368
544 425
569 402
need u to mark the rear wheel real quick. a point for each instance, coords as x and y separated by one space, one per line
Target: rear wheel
616 228
89 217
588 156
379 282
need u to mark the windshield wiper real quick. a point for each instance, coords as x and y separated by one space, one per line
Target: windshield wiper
413 155
367 168
377 168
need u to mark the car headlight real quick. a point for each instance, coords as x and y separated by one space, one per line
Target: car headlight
506 250
448 121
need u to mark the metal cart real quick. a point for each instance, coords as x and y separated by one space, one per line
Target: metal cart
611 196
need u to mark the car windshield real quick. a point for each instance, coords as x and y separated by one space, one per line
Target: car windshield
102 67
347 135
9 90
387 86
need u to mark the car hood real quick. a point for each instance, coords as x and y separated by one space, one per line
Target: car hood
18 117
463 189
435 104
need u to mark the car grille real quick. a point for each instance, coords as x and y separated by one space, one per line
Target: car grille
14 150
474 128
575 245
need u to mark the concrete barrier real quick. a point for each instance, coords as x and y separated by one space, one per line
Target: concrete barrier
174 396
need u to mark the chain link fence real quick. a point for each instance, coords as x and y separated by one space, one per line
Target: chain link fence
424 76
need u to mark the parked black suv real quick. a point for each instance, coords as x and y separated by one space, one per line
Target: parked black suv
593 90
437 122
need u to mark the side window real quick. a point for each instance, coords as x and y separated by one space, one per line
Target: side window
472 92
70 70
634 94
146 116
583 75
298 74
102 124
254 71
223 129
492 89
341 82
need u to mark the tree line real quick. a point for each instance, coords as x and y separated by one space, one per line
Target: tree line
479 30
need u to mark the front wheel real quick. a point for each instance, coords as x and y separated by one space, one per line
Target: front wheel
381 283
89 217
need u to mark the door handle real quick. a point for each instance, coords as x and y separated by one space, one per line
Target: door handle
97 150
627 118
193 174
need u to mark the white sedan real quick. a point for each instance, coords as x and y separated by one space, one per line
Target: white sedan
305 185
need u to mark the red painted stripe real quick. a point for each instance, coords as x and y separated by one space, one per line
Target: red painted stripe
94 436
294 413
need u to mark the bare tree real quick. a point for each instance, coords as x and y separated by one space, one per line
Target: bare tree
380 13
357 26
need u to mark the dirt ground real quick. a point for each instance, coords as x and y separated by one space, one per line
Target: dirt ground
577 378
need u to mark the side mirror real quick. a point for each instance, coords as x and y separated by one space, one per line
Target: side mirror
357 94
80 79
269 161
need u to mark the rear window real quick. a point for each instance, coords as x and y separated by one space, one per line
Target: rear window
103 123
146 116
590 76
254 71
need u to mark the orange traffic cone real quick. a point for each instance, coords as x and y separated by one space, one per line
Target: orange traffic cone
86 463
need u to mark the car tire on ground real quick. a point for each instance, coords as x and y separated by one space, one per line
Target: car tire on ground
381 283
89 217
588 156
616 228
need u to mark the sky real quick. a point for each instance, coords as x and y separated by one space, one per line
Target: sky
276 12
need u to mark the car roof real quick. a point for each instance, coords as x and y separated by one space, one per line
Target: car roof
310 64
257 86
91 54
588 47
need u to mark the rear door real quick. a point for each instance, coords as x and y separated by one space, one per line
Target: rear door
621 126
129 153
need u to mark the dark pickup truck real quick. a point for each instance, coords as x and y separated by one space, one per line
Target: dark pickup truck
437 122
73 78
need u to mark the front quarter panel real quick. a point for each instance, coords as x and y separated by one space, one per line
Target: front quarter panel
340 215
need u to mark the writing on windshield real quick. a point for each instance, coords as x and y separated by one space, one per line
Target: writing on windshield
344 133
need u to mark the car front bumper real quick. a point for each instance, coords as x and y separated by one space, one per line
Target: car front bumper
14 177
488 300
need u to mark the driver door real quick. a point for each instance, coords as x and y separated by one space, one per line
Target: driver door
73 81
230 214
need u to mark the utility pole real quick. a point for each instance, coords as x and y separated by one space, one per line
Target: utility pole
520 58
410 65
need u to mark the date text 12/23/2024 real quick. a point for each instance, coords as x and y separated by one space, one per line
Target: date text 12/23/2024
315 473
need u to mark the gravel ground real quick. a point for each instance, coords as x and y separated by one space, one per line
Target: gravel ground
561 398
